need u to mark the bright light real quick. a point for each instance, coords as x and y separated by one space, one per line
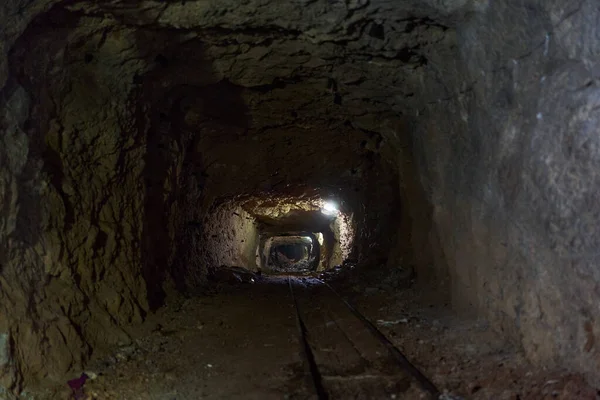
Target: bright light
329 208
319 236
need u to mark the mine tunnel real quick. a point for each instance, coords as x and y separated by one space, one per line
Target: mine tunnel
304 199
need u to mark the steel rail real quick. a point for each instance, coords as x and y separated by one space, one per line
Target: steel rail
308 354
425 383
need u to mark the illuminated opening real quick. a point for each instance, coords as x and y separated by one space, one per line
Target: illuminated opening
300 235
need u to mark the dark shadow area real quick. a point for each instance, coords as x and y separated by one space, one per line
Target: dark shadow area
296 220
22 97
292 254
172 140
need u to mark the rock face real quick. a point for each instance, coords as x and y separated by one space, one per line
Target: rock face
510 156
124 127
230 237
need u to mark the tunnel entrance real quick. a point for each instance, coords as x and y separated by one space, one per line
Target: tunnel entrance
273 234
292 254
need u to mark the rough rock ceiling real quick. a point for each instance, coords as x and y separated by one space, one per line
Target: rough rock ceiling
349 52
310 221
298 210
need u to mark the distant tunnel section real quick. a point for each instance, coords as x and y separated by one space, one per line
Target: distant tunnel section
291 254
300 235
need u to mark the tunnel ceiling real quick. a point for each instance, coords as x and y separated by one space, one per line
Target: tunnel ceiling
314 65
276 205
306 86
297 209
309 221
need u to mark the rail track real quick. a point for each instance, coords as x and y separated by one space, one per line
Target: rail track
345 355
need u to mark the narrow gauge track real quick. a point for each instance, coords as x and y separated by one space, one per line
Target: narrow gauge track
345 355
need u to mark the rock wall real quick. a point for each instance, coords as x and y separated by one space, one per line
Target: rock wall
509 155
72 197
229 237
96 183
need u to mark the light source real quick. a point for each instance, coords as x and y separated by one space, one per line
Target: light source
329 208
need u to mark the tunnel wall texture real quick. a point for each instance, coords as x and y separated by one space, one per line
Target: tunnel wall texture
509 157
230 237
500 98
73 217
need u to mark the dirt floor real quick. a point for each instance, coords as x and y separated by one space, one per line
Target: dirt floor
465 357
242 342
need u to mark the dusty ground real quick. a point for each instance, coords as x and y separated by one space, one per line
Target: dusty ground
242 342
465 357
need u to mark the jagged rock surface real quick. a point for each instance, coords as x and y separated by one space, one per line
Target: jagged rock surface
487 110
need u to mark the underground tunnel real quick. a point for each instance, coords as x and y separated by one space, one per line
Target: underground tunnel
197 199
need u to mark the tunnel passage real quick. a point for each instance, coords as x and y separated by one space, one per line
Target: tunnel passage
140 145
155 167
246 232
291 254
